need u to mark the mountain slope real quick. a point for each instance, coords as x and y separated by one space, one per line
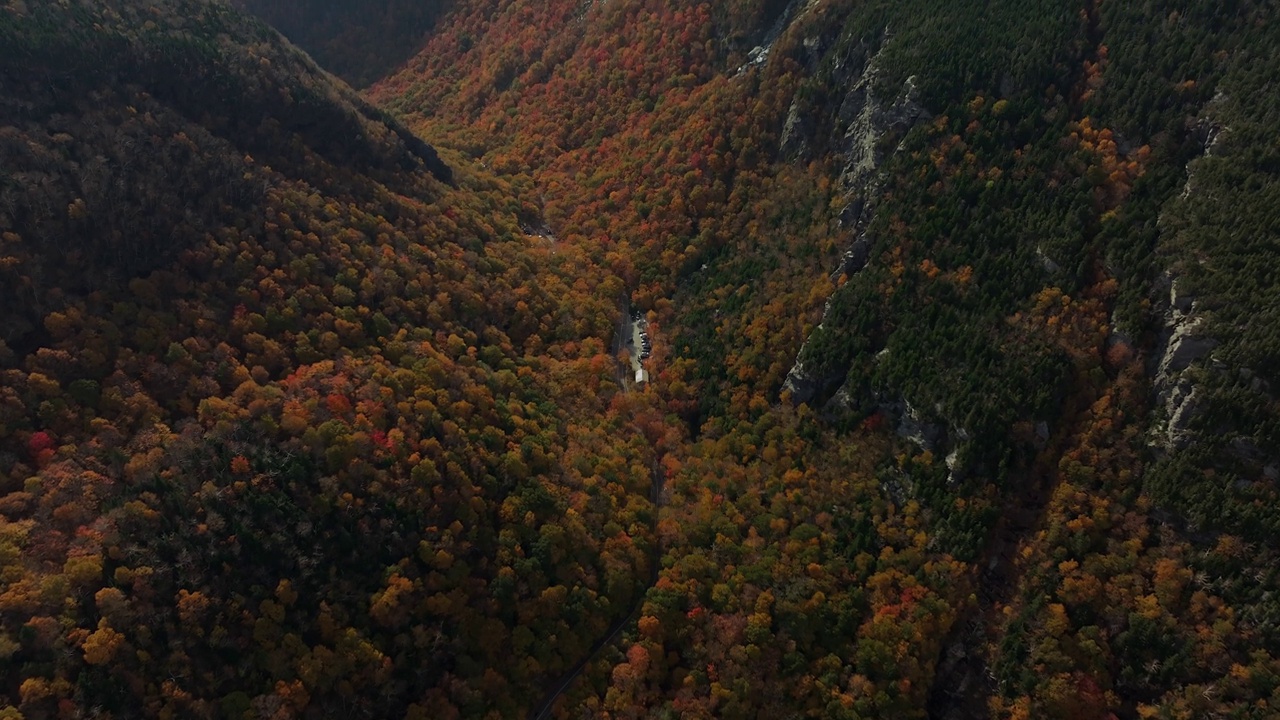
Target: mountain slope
126 139
960 385
985 197
284 417
358 41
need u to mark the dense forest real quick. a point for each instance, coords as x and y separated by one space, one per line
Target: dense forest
315 403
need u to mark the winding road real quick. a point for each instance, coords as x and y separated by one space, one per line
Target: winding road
543 709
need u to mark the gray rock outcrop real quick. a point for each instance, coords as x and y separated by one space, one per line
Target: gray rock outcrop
1183 344
868 121
1183 338
865 123
804 385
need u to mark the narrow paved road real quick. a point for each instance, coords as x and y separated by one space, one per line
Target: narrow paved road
620 335
543 710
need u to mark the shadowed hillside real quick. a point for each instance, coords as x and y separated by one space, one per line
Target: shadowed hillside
289 425
358 40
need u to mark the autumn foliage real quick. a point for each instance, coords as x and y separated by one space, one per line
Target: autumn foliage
301 419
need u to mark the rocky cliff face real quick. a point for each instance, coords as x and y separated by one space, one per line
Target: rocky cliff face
1183 343
1192 366
866 129
863 119
1184 340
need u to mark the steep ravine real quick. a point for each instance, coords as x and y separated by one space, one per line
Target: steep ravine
964 682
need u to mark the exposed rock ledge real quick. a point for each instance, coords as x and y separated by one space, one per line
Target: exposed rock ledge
864 123
1183 343
803 384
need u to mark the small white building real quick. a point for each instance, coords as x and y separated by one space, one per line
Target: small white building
642 376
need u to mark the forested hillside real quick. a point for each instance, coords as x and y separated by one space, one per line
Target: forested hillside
964 323
358 40
283 415
980 245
